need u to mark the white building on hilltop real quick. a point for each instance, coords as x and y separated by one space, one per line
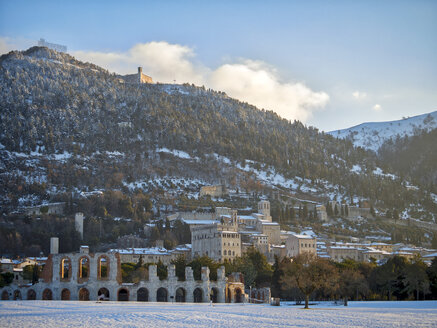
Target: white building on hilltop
54 46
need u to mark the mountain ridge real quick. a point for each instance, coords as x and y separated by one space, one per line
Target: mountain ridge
372 135
110 132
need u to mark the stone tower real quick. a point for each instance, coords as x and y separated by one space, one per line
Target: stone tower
140 74
54 245
78 223
264 208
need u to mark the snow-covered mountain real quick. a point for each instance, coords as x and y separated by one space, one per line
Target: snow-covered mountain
373 134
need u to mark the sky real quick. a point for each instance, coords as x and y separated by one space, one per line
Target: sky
329 64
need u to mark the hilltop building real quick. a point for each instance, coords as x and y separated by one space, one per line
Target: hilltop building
54 46
138 78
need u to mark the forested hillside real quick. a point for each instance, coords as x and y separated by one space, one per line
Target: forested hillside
414 158
67 125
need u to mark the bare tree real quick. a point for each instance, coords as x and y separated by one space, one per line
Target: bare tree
310 273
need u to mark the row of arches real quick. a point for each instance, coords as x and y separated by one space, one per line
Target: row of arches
65 269
47 295
162 295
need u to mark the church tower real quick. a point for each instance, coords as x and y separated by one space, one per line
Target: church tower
264 208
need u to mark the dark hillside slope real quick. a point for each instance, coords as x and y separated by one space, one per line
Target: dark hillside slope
51 103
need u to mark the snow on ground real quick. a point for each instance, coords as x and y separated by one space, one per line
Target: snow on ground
135 314
175 152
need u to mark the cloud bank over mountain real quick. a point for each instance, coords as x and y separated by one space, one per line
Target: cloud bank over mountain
251 81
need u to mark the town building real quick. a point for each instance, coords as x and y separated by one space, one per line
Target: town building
220 241
298 244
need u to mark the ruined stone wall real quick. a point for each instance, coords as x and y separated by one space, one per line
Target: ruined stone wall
74 286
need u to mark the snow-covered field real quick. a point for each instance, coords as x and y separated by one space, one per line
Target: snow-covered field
133 314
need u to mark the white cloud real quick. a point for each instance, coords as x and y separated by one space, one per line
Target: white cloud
359 95
377 107
164 62
247 80
258 84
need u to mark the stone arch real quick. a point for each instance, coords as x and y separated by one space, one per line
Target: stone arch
5 295
103 267
198 295
31 295
84 294
65 269
47 294
214 294
238 296
17 295
123 295
103 294
84 268
180 295
142 295
65 294
229 296
162 295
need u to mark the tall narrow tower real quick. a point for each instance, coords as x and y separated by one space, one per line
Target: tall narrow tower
54 245
140 74
78 223
264 208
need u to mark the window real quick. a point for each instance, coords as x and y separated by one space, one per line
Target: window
224 252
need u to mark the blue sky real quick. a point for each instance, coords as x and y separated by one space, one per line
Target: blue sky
331 64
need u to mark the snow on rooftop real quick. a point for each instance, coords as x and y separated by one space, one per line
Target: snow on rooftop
141 251
303 236
200 222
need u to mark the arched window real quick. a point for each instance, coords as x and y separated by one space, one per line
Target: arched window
224 252
65 270
102 267
84 267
